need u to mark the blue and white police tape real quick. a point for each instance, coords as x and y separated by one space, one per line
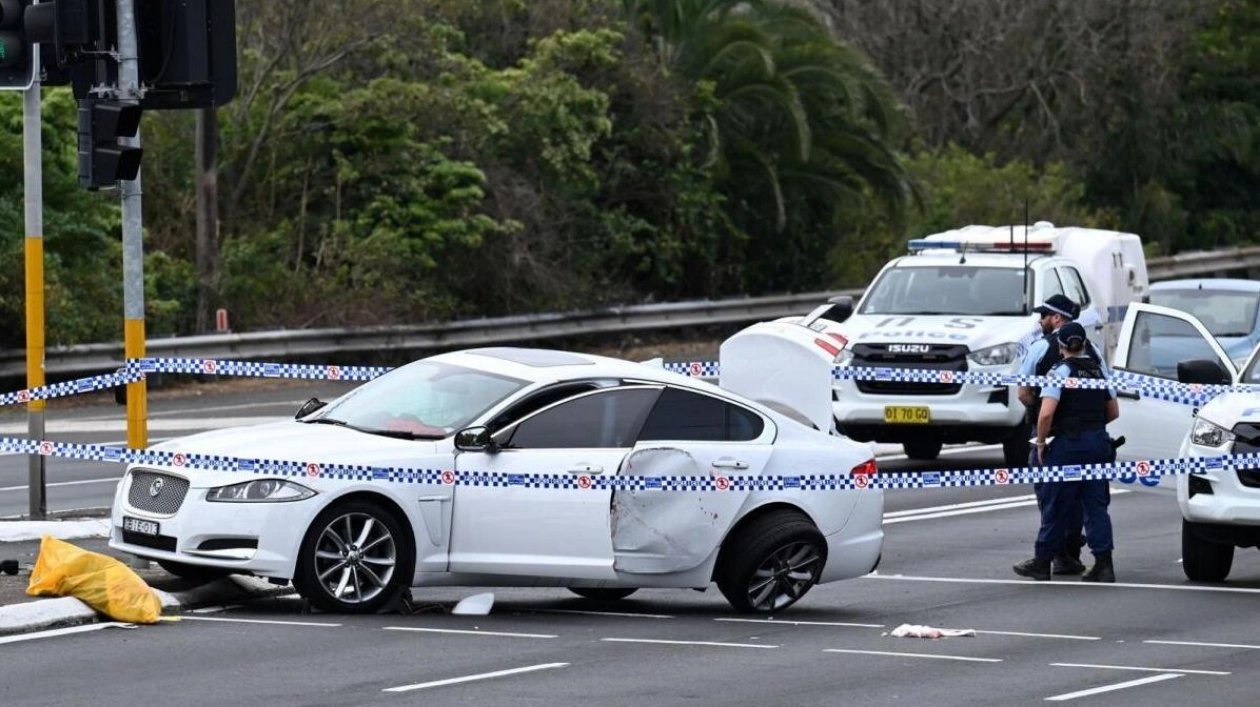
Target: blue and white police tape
255 369
74 387
176 461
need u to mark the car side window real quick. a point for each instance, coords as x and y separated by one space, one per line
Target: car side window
604 419
1160 342
1074 286
686 416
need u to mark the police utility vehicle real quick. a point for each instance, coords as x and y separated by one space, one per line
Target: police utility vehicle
962 301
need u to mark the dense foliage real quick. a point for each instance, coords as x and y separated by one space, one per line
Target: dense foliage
444 158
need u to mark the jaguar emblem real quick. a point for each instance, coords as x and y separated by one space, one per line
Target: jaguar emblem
155 488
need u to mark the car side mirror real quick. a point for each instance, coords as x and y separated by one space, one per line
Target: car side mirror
1202 372
475 439
309 407
841 308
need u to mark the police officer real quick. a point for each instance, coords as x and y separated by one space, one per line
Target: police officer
1072 429
1042 356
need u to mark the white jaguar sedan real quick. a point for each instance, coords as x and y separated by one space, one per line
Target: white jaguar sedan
506 449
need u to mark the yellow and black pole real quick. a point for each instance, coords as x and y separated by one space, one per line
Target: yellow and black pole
33 176
132 236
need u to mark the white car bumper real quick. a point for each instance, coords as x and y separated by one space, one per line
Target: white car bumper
971 407
1230 502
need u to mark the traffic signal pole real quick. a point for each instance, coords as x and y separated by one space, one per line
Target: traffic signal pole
132 236
33 190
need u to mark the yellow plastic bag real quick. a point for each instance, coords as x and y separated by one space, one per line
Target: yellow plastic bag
101 582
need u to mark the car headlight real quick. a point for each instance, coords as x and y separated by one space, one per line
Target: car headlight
260 491
1209 434
999 355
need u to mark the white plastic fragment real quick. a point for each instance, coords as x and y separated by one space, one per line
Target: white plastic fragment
475 605
920 631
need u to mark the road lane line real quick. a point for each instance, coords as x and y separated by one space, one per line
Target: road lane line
112 480
258 621
953 506
964 512
959 509
802 623
471 678
1140 669
601 613
914 655
1064 636
63 632
947 450
1117 686
1204 645
713 644
470 633
1062 585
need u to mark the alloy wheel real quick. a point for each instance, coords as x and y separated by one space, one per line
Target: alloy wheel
784 576
355 557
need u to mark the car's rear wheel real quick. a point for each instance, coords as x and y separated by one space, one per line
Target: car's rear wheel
604 593
195 573
355 559
771 562
922 449
1203 560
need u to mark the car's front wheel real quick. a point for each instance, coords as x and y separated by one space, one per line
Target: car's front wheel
1203 560
772 562
603 593
355 559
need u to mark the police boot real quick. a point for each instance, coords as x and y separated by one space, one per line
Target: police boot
1068 563
1036 568
1102 571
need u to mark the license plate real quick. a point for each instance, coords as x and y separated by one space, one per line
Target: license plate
143 527
907 415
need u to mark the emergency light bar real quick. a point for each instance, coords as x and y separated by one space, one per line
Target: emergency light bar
921 244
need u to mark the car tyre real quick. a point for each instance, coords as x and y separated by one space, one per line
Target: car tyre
771 562
195 573
355 559
1203 560
604 593
923 449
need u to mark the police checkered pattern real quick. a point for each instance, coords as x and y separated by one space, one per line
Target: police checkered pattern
175 460
695 369
74 387
255 369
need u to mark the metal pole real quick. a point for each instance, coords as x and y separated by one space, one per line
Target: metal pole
33 176
133 246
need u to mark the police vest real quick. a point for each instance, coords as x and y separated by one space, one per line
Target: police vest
1080 409
1046 363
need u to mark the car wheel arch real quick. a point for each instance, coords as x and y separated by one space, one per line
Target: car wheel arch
389 504
751 517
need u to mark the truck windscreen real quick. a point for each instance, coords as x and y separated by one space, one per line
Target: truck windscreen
949 289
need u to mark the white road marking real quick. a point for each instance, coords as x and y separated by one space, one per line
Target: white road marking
1205 645
1140 670
953 506
1064 636
802 623
601 613
914 655
1117 686
950 514
258 621
113 480
471 678
470 633
63 631
948 450
165 424
958 509
687 643
1062 585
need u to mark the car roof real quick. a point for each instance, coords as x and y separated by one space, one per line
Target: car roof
1228 284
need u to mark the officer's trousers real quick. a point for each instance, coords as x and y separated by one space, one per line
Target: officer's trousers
1073 537
1059 501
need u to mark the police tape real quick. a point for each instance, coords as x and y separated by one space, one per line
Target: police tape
174 460
74 387
254 369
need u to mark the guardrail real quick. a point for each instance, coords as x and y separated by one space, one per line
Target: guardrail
290 344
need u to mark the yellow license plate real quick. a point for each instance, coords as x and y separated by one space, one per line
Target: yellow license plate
907 415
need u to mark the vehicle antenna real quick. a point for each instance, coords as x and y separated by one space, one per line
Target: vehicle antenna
1026 297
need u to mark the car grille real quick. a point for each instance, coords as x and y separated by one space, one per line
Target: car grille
938 357
1248 442
157 493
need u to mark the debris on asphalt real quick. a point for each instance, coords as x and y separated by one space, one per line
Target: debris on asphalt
475 605
9 567
920 631
102 582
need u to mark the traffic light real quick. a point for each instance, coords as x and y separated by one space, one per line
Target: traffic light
103 158
17 65
187 52
71 28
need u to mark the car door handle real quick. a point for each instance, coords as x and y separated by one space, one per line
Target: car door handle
584 468
729 464
1129 395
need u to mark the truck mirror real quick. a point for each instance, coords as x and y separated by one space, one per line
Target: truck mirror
1202 372
841 308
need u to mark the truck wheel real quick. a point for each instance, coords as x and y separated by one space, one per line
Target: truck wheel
923 449
1203 560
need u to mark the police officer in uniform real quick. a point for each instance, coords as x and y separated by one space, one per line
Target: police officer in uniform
1072 429
1043 356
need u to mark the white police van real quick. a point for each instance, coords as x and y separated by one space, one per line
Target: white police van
962 301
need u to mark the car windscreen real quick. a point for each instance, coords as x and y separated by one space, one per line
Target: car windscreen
426 398
948 289
1223 312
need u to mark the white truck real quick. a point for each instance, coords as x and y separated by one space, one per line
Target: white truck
962 301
